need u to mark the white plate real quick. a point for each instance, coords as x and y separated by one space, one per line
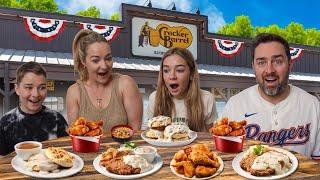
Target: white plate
241 172
157 164
220 169
193 136
19 165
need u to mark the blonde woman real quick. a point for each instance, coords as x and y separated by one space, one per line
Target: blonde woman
100 93
178 92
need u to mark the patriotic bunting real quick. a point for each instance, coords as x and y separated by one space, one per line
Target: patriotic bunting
295 53
109 32
227 48
43 29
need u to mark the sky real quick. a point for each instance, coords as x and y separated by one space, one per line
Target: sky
219 12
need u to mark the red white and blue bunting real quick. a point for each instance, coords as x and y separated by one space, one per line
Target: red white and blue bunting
227 48
109 32
43 29
295 53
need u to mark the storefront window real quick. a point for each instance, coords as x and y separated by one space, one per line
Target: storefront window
220 106
54 103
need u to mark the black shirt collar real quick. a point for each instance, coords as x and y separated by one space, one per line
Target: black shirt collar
26 114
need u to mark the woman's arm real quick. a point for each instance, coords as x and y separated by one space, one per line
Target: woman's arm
73 95
132 101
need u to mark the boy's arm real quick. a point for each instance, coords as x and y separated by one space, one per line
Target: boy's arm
62 126
3 144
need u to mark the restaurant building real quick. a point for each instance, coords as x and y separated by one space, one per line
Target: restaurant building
138 43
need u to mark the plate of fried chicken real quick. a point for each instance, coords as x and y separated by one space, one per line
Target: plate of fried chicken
125 165
196 162
265 162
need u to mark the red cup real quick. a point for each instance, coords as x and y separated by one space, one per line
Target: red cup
229 144
86 144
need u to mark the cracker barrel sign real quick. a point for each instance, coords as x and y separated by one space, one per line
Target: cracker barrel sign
50 85
153 37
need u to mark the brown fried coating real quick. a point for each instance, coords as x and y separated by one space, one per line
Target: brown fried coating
222 130
180 156
94 132
78 130
203 171
199 158
238 132
247 162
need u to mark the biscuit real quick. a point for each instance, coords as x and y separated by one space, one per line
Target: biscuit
154 134
60 156
159 122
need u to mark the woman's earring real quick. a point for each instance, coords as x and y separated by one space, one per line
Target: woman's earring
190 78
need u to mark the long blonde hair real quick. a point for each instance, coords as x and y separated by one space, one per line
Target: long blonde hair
193 101
80 44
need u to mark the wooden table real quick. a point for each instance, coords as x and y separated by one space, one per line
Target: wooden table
307 169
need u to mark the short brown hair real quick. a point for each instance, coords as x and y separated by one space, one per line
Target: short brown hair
80 44
32 67
268 37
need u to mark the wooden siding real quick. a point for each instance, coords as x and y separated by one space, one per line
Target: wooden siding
13 35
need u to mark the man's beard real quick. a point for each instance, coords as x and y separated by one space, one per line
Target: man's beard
276 91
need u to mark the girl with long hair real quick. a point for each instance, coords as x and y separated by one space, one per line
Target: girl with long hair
178 94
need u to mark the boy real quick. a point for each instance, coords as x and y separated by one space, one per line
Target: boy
30 120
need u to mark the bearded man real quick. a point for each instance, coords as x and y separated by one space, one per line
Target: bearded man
277 112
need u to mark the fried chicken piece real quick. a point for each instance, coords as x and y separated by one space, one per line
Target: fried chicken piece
188 167
203 171
238 132
213 156
80 121
267 172
200 148
78 130
180 156
92 125
187 150
179 170
237 125
117 166
223 121
247 162
94 132
199 158
221 130
109 154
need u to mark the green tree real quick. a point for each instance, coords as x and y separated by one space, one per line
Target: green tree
228 29
312 37
115 16
241 27
295 33
9 3
90 12
275 29
6 3
39 5
62 12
